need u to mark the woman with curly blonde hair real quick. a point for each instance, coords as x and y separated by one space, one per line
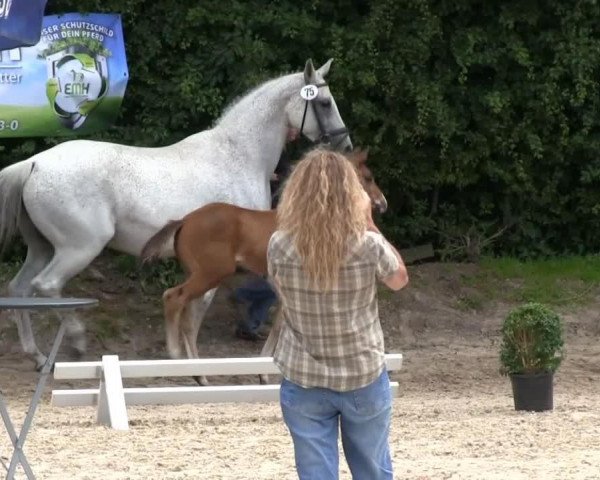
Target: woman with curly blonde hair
325 259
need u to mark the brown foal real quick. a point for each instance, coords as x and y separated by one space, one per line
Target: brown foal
210 243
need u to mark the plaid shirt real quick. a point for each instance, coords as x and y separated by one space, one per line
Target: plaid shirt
331 339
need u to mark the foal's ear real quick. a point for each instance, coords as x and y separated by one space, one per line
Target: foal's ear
364 154
358 156
324 69
309 72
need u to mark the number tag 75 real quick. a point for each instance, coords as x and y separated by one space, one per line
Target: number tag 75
309 92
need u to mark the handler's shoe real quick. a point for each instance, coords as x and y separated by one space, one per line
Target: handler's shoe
250 336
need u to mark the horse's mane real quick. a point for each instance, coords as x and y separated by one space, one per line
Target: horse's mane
236 101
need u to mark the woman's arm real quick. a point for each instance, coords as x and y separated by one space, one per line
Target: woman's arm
399 278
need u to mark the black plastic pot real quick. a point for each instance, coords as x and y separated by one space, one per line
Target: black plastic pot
533 392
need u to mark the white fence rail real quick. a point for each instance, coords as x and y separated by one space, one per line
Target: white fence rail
112 399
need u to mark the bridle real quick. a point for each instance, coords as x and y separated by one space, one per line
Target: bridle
326 135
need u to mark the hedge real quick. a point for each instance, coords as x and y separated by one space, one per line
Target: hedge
482 118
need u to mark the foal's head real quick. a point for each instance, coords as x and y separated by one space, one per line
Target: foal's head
359 158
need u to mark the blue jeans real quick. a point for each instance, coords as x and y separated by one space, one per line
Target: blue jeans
312 416
261 296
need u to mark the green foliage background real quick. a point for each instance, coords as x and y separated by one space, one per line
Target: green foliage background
481 116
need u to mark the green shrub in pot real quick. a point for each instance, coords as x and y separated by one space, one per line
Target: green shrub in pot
532 340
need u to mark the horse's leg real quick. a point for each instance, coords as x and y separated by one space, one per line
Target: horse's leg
78 235
65 264
20 286
39 253
269 346
195 312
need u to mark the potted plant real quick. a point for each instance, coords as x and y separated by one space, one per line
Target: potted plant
531 351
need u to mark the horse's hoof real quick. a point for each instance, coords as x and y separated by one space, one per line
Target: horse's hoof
40 367
202 381
39 361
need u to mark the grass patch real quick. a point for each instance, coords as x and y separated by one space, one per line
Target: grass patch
472 302
557 281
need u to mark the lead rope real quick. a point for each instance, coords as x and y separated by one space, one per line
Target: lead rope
303 116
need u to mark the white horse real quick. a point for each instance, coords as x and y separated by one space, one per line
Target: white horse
75 199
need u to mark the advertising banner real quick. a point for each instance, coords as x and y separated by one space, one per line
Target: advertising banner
71 82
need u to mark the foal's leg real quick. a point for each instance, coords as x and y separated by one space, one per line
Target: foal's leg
269 346
196 311
191 326
174 305
180 324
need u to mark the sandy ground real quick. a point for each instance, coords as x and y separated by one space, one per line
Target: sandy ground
453 419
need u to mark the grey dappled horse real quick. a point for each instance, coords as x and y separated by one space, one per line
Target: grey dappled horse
75 199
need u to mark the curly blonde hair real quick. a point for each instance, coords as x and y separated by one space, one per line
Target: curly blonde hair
320 207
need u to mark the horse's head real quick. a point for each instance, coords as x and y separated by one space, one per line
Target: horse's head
359 158
314 113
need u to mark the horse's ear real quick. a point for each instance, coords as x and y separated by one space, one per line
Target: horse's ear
309 71
324 69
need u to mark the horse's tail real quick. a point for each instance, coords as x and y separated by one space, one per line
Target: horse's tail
12 181
155 245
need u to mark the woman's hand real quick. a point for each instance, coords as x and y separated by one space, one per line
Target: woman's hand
367 208
371 224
